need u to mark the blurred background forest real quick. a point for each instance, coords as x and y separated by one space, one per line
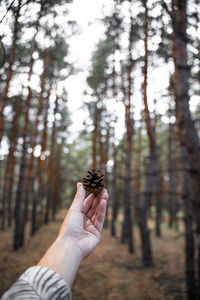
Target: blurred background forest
111 85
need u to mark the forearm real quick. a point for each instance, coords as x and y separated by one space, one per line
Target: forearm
63 257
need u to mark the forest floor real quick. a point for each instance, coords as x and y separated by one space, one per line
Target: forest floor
110 272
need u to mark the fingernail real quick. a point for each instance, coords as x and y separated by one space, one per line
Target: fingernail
79 184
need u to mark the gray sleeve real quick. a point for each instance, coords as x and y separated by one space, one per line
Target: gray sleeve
39 283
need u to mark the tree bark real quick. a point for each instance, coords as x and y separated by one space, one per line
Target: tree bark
28 193
188 133
145 201
114 197
10 168
105 160
37 196
23 161
57 182
172 199
50 168
189 232
94 142
137 174
127 231
114 191
20 220
10 70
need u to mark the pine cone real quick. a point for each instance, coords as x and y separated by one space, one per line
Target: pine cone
94 182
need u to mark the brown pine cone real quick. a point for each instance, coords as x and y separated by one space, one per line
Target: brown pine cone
93 182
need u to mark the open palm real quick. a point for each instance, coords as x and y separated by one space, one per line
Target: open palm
84 221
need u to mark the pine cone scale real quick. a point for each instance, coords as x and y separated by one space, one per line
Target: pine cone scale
93 182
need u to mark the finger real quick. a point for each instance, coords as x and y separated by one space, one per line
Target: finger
105 196
79 197
87 203
88 223
98 223
94 208
91 228
93 218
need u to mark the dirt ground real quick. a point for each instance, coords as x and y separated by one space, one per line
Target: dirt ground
110 272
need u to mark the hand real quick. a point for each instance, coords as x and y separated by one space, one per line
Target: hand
79 234
84 221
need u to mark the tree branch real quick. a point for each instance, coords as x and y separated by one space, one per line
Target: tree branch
164 5
2 54
9 8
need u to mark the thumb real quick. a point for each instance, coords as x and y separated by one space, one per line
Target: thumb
79 197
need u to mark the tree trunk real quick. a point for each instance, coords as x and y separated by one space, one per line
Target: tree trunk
158 190
188 133
94 142
57 184
114 197
37 196
114 191
127 231
10 168
127 234
10 69
50 168
189 232
19 219
172 199
143 211
151 131
137 173
28 194
145 201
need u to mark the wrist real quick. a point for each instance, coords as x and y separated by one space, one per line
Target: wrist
68 242
64 257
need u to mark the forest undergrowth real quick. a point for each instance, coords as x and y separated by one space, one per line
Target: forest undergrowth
110 272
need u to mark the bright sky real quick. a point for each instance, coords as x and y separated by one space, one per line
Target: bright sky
87 14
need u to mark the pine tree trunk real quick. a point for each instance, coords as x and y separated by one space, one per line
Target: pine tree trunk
145 201
172 199
189 232
10 70
114 191
50 168
137 174
143 211
94 141
127 229
105 160
114 197
127 233
37 196
10 167
28 193
151 133
20 185
57 184
158 185
20 219
23 160
188 133
101 147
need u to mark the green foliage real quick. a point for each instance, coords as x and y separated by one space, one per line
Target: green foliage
97 79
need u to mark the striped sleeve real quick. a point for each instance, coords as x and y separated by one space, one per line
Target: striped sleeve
39 283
